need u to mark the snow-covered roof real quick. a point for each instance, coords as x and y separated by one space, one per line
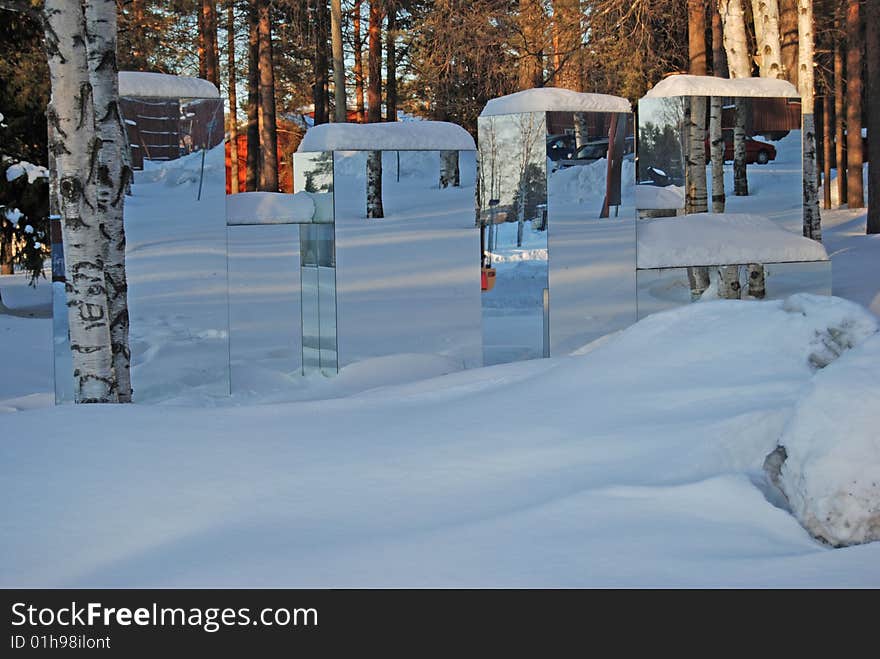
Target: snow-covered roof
720 239
141 84
388 136
688 85
547 99
247 208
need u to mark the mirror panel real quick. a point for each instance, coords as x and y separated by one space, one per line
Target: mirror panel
514 227
592 227
406 283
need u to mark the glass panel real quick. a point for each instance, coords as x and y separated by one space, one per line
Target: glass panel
665 288
592 236
311 325
661 155
327 315
408 282
264 307
176 249
514 228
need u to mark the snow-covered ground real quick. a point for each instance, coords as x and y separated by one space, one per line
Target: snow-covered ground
634 463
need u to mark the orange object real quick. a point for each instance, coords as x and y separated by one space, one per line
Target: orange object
487 279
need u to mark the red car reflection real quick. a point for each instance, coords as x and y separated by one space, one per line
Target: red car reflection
756 150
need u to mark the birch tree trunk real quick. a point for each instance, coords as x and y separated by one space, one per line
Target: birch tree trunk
740 66
449 172
767 35
233 102
112 179
74 146
374 185
812 225
716 145
581 129
266 116
375 207
729 287
695 199
338 61
855 193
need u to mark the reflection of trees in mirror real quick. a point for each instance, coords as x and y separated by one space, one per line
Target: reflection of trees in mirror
659 148
374 185
531 188
319 175
449 171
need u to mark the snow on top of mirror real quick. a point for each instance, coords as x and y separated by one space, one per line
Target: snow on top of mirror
388 136
246 208
688 85
721 239
547 99
141 84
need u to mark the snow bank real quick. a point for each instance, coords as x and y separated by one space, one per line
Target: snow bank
388 136
831 475
720 238
649 197
688 85
581 183
269 208
141 84
548 99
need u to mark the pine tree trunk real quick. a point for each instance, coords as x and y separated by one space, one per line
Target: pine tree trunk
391 63
567 58
233 104
72 115
855 193
449 173
112 179
872 98
719 57
322 63
374 185
812 222
827 146
253 111
358 71
788 33
268 131
201 46
840 119
338 61
531 28
697 37
208 42
374 91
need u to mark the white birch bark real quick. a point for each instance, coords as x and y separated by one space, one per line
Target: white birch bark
812 224
729 287
72 117
112 179
767 35
581 129
716 146
740 66
735 44
696 198
449 172
374 185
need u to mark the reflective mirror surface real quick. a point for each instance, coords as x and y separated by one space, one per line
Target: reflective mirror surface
176 251
514 236
407 283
